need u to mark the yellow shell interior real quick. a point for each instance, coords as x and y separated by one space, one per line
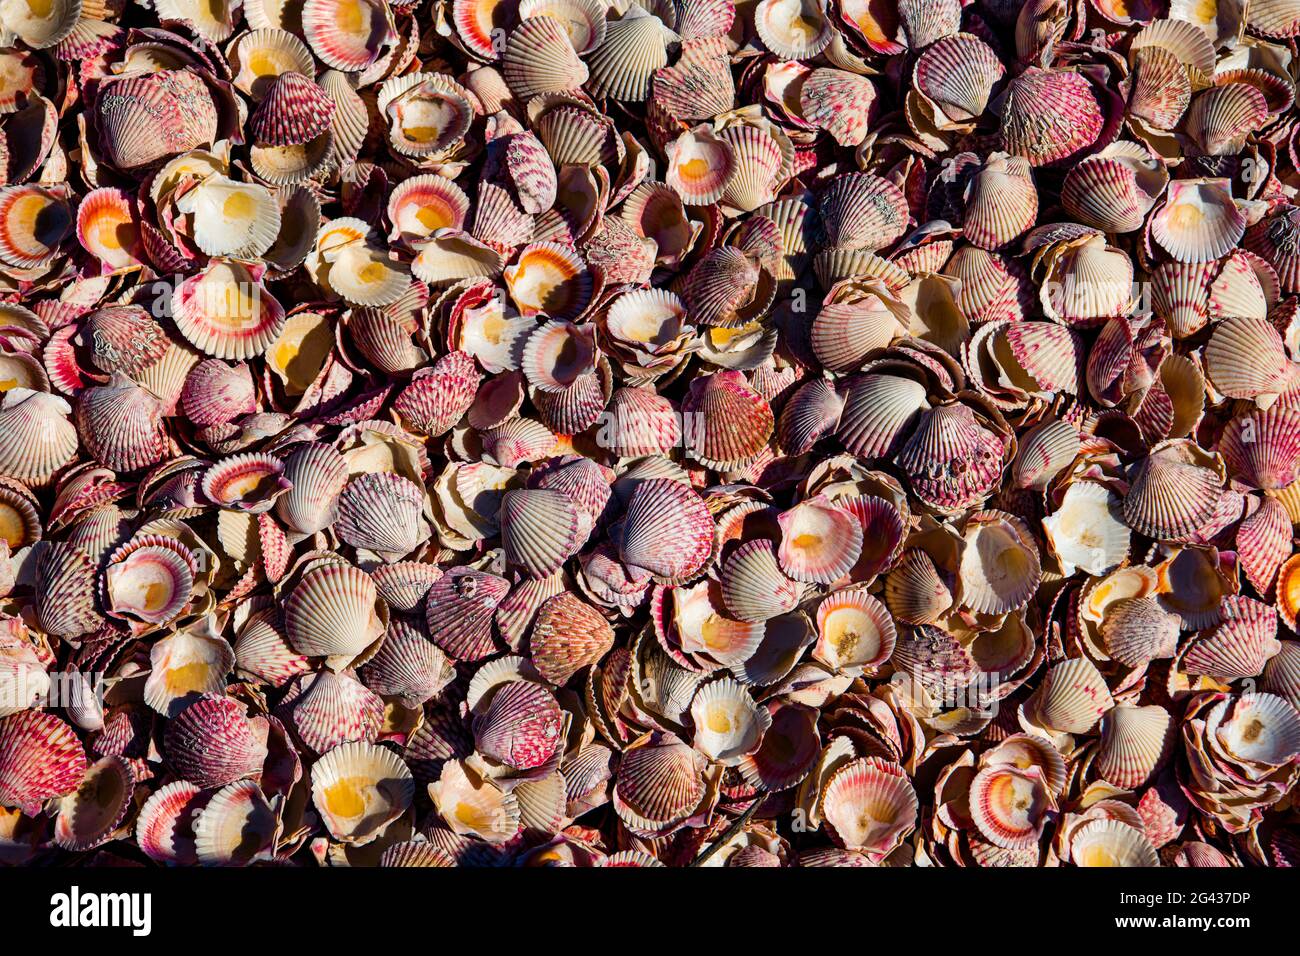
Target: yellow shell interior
299 354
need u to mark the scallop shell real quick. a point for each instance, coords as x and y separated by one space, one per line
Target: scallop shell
855 633
999 570
325 710
359 789
667 530
521 726
1111 843
383 513
121 424
567 636
1072 697
1134 743
1049 116
248 482
1115 189
335 612
1009 805
754 588
87 817
819 542
951 460
728 724
1240 645
869 804
724 421
235 827
36 438
317 474
459 611
224 311
539 58
347 34
1172 492
1198 220
40 758
634 47
212 742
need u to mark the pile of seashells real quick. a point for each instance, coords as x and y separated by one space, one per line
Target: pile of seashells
649 432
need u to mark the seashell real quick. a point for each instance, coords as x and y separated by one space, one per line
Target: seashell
36 438
869 804
383 513
1111 843
260 57
435 401
1134 743
879 411
1245 358
728 724
839 102
164 829
1198 220
235 827
1240 645
146 118
788 751
317 474
1071 697
40 758
147 582
335 612
856 320
540 530
473 805
248 482
224 311
819 542
1000 568
216 393
521 726
1001 202
1088 530
65 579
793 29
211 743
347 34
428 113
421 205
753 586
1223 116
1172 492
108 228
1115 189
34 221
1043 452
1048 116
863 211
459 611
87 817
539 58
293 111
725 422
550 278
1138 630
854 632
951 460
1009 805
325 710
121 424
567 636
359 789
633 49
666 530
